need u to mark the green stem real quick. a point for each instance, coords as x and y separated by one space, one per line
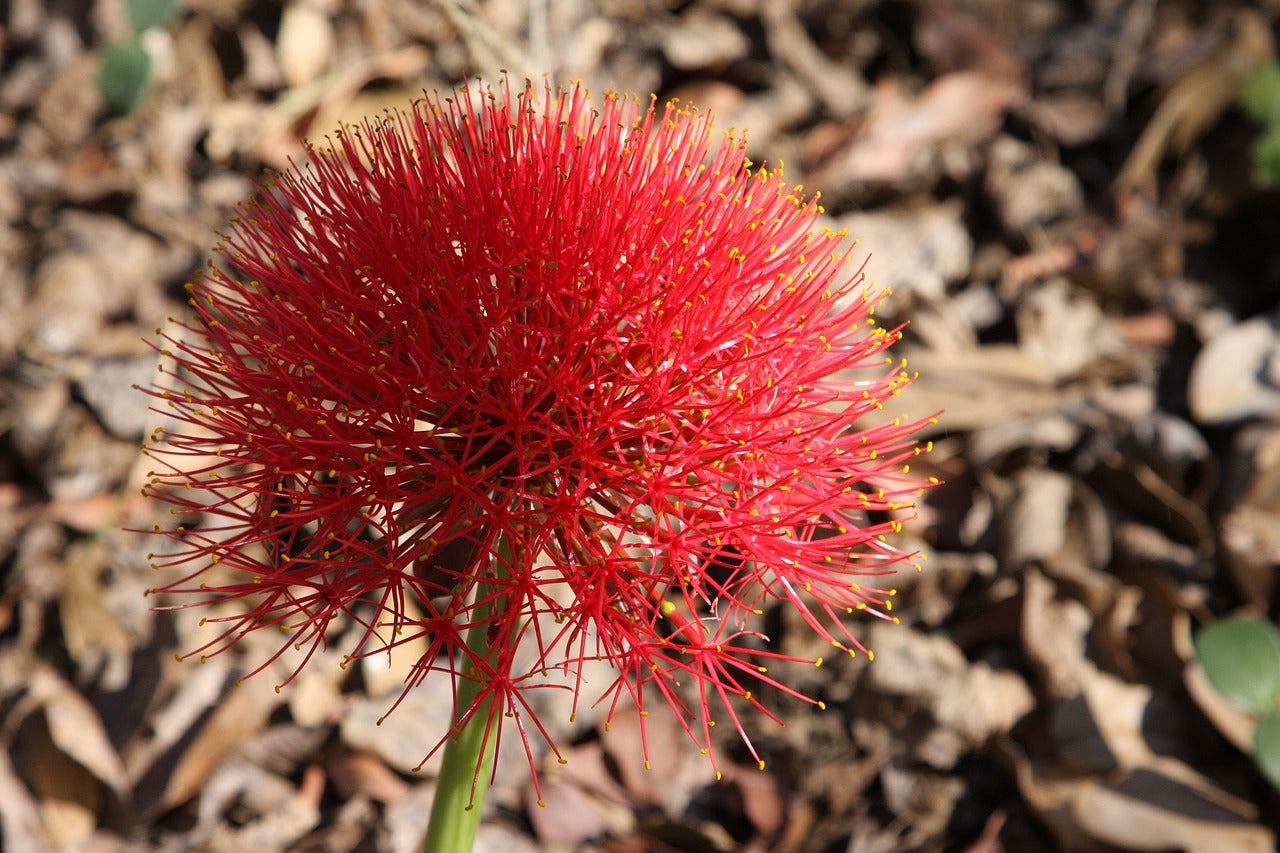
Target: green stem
456 809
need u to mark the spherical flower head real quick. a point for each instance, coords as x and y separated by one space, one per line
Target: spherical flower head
579 376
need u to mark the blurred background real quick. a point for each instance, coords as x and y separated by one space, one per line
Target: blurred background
1074 205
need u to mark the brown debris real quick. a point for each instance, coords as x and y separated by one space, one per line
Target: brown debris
1059 195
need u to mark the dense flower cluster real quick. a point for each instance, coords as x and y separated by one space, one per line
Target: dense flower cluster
580 376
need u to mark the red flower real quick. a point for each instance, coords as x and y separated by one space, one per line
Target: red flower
569 374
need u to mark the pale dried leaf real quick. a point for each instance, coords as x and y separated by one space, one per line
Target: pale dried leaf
922 800
1035 522
1135 822
987 385
1053 633
972 700
704 40
363 775
281 813
677 771
1073 118
571 814
235 719
403 737
763 801
901 131
1064 330
405 820
304 43
20 823
91 628
194 695
75 727
915 253
68 795
1236 375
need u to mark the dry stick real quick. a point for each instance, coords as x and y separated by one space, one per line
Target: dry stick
489 49
1124 58
842 90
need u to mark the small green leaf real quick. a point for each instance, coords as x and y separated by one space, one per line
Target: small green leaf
125 72
1266 748
145 14
1260 94
1241 658
1266 158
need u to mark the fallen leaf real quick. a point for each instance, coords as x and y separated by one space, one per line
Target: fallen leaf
1237 374
76 728
304 42
901 131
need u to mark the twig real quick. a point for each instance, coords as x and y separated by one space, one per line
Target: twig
489 50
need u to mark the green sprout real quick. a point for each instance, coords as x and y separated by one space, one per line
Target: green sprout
1241 659
1260 99
126 65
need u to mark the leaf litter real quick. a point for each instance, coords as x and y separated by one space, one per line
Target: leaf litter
1063 227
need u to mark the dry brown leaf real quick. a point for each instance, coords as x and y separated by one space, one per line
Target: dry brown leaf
993 384
1250 497
69 797
364 775
405 736
1057 522
1028 191
315 696
1099 720
1089 815
1035 521
1073 118
677 770
75 727
235 718
764 115
579 808
921 800
90 627
274 133
973 701
20 822
913 252
763 801
1064 330
587 767
1161 640
1235 725
405 821
500 838
901 131
989 840
842 90
278 813
1119 710
704 40
1053 634
954 38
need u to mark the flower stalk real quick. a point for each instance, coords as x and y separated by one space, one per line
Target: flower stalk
467 763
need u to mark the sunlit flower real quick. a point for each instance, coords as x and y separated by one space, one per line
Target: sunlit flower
579 376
